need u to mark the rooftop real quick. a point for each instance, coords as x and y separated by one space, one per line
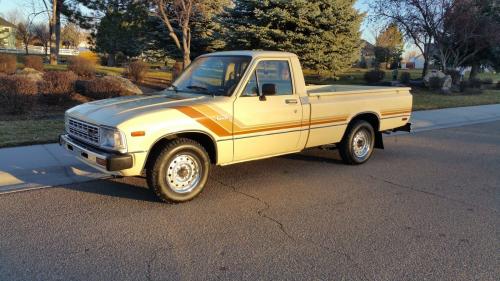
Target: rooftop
4 22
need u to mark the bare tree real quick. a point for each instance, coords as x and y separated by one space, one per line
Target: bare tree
24 34
179 11
41 32
418 19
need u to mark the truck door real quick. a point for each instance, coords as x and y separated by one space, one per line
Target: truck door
268 124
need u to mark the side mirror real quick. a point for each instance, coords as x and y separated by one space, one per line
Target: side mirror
268 90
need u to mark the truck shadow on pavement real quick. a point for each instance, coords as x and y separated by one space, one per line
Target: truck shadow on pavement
135 188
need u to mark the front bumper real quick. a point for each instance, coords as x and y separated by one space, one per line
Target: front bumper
97 158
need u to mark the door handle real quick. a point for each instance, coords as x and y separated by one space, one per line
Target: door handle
291 101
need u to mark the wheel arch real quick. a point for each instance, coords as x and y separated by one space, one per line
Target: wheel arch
374 120
203 138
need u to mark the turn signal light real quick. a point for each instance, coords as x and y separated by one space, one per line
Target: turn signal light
138 134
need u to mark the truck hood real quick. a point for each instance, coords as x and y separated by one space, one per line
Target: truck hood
112 112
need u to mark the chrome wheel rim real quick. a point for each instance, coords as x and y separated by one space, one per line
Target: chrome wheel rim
361 143
183 173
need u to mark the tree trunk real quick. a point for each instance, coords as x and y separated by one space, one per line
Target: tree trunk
186 48
55 27
474 71
426 65
26 49
111 60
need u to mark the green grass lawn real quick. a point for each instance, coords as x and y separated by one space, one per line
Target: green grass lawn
425 100
27 132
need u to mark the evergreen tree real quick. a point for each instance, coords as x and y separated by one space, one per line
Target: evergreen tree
324 33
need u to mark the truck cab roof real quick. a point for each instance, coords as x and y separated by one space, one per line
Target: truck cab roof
253 54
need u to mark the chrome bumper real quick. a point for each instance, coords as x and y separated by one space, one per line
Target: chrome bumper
104 161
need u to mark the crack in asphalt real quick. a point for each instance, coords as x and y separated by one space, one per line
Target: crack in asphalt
261 213
429 193
148 265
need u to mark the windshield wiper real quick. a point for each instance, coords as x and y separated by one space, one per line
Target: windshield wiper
193 87
197 88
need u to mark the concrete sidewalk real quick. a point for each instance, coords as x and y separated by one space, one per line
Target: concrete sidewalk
39 166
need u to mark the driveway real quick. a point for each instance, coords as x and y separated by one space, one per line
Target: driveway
425 208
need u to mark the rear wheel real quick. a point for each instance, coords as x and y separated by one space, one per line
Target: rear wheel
180 171
357 145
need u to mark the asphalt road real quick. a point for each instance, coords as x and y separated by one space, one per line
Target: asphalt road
425 208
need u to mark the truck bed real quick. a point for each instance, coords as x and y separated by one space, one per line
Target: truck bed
325 90
333 106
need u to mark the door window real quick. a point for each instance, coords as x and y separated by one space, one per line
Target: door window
275 72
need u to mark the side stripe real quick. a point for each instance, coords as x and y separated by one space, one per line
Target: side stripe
202 114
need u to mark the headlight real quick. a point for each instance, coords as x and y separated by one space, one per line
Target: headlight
112 138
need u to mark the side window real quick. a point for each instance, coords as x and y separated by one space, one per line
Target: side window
271 72
251 88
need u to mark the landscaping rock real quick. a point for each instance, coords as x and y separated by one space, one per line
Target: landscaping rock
447 83
31 74
127 86
433 73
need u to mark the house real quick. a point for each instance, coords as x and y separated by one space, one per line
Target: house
7 34
415 62
367 55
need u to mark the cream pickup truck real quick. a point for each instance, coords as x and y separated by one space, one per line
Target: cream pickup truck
226 108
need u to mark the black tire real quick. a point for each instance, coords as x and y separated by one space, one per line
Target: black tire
346 146
159 173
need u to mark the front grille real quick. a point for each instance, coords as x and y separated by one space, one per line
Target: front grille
83 131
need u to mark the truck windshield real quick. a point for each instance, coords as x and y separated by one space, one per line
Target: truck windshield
212 75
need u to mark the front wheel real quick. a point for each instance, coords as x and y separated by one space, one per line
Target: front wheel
179 172
357 145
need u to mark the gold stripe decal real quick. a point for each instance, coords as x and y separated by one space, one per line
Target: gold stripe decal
222 128
396 111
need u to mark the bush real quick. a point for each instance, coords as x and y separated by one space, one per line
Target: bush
137 70
374 76
488 81
455 76
35 62
475 83
8 64
57 86
435 83
90 56
405 77
463 86
100 88
498 85
82 66
17 93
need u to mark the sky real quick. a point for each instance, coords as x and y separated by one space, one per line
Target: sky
24 7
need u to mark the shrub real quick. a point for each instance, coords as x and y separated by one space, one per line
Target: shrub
435 83
100 88
17 93
35 62
137 70
405 77
82 66
455 76
463 86
374 76
57 86
475 83
90 56
8 64
488 81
